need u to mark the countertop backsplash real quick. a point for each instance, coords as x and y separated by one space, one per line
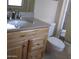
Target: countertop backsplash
27 14
24 14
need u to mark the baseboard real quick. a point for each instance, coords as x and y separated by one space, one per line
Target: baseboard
67 43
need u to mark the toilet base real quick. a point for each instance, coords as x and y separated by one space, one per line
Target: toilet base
51 48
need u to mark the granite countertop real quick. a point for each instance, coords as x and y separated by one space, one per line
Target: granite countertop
33 23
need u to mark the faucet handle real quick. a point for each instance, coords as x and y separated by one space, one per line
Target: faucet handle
13 15
18 15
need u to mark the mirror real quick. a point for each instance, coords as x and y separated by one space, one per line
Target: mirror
21 5
15 2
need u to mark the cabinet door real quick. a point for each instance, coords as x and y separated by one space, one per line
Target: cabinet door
17 43
37 47
19 52
14 53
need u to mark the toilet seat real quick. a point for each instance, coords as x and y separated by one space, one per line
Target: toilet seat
56 42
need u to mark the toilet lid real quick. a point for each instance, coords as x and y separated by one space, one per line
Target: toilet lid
56 42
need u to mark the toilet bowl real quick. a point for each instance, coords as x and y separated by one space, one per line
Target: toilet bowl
55 43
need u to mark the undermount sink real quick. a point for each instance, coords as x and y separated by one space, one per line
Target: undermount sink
19 23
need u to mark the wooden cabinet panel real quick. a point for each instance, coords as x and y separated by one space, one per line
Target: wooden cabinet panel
19 52
15 39
37 47
36 54
36 42
17 44
15 53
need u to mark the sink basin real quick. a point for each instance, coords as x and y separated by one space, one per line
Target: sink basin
10 26
19 23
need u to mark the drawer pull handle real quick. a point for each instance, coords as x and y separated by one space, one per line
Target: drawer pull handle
38 44
11 56
22 36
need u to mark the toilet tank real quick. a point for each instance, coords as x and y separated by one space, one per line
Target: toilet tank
51 29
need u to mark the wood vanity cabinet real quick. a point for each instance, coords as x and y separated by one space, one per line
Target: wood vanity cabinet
27 44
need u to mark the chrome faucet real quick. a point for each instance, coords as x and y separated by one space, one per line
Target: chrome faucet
17 15
13 14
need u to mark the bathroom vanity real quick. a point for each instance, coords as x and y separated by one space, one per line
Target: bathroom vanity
27 41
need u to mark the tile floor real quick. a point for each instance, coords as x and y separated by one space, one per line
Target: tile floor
66 54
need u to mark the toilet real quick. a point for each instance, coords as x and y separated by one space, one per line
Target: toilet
54 42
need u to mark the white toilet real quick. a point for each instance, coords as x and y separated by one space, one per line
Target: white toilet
55 43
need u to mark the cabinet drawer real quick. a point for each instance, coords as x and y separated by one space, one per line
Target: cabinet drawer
37 42
39 31
37 45
14 35
11 41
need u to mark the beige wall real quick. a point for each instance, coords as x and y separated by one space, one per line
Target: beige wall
45 10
